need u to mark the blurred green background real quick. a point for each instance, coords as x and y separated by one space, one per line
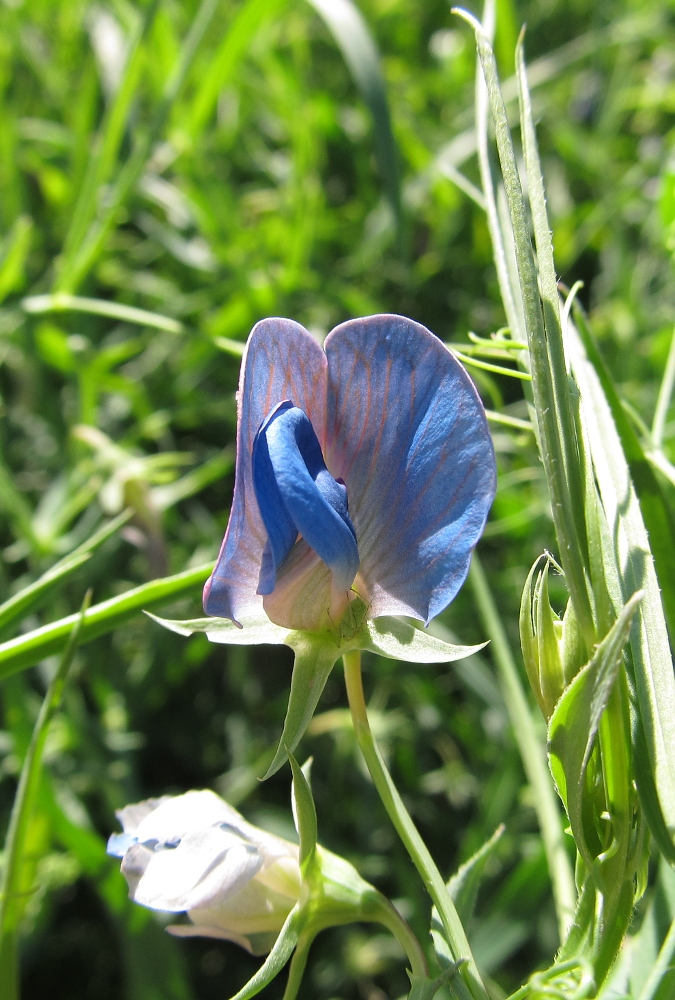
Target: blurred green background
262 186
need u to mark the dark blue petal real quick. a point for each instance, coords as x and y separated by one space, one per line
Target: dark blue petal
407 433
298 496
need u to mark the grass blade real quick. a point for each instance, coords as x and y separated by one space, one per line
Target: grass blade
12 898
352 36
28 649
62 302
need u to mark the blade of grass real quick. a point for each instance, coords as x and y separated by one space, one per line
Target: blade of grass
352 36
12 899
77 267
665 396
28 599
28 649
532 751
224 65
62 302
104 155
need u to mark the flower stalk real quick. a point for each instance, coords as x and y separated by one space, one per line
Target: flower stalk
407 831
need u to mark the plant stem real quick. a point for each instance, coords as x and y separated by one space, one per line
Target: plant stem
531 750
665 395
386 914
407 830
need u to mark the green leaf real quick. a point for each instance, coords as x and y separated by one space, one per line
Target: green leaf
228 58
304 814
277 958
31 597
315 656
62 302
399 640
13 896
27 650
632 567
13 254
655 512
575 721
463 888
353 38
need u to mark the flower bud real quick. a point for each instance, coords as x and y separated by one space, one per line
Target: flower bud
553 649
194 853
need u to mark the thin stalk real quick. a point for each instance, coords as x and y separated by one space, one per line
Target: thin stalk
386 914
12 897
665 395
407 830
532 751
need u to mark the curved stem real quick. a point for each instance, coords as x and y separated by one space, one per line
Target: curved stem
407 830
380 910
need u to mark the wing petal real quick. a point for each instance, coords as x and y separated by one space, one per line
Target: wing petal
407 433
282 361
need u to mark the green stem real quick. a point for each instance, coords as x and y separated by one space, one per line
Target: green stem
407 830
383 912
665 395
532 752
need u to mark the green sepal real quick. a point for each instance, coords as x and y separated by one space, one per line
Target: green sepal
277 958
575 721
304 814
317 652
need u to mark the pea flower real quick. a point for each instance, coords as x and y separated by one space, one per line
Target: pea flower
363 470
196 854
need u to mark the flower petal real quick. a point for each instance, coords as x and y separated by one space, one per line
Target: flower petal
407 433
296 494
207 866
281 361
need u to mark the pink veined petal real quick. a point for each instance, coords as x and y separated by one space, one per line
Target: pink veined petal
407 433
282 361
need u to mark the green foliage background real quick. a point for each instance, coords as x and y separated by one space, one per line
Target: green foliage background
261 196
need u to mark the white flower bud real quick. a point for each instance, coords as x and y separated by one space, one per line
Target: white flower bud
194 853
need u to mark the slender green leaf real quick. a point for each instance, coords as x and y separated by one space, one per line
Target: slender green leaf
12 898
28 649
464 884
223 68
13 255
655 511
575 721
304 813
633 570
63 302
353 38
31 597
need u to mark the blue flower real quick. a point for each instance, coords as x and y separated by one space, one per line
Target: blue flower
365 469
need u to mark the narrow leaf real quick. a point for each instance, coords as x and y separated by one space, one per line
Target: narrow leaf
464 884
633 568
62 302
28 649
575 721
353 38
28 599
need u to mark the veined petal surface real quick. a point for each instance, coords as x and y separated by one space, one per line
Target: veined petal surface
281 361
407 433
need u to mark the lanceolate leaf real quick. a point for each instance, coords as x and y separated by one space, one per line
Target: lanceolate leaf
275 961
399 640
657 517
574 723
634 569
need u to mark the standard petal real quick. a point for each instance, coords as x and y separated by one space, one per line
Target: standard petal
282 361
177 815
407 433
